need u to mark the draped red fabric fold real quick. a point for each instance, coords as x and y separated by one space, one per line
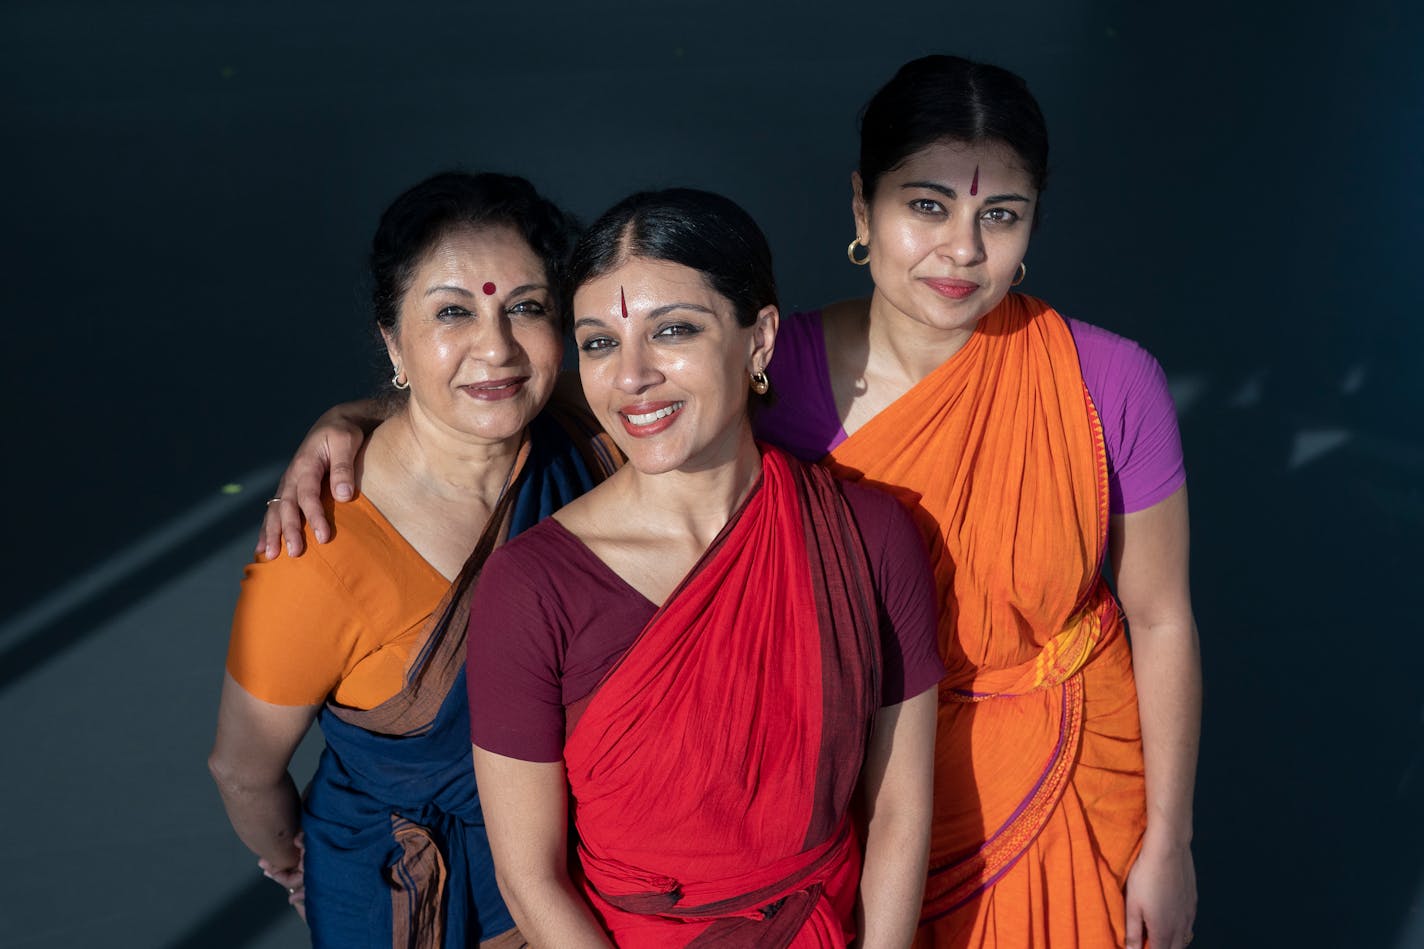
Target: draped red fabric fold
713 768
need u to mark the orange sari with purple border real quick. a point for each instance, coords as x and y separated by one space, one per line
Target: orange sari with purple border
1039 791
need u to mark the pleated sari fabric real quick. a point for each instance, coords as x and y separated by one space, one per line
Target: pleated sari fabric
1039 791
713 767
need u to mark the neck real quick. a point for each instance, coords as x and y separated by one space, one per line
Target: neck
696 501
440 462
908 346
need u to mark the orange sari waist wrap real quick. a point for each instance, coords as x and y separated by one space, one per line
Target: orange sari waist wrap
712 770
999 456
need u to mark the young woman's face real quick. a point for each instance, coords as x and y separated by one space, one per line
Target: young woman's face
665 366
478 337
947 230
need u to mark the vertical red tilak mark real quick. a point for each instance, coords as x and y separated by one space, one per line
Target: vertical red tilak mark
488 289
623 300
974 185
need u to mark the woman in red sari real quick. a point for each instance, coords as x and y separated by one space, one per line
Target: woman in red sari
709 656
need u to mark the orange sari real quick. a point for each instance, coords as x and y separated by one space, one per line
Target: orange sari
1039 793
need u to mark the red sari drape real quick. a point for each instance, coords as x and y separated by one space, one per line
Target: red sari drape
713 768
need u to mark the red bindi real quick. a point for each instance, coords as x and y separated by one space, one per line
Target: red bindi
623 301
488 289
974 185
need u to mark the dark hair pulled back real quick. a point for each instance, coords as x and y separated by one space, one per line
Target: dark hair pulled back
697 229
950 99
454 201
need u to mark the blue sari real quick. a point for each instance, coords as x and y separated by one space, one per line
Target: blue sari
396 850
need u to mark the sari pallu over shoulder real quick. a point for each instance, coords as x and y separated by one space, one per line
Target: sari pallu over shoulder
396 850
999 456
712 769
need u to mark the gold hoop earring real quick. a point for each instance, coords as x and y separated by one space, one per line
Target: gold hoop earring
850 252
761 385
1023 272
396 380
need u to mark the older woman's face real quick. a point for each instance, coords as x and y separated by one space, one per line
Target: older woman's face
665 365
478 337
947 230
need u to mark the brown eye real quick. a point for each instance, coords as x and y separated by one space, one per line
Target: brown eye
596 344
675 330
528 308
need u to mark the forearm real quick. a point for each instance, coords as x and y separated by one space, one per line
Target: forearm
1166 665
266 817
892 882
550 912
898 799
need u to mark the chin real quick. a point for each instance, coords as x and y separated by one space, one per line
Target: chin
651 462
503 428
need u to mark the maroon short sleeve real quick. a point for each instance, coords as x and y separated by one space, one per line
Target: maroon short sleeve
904 592
512 658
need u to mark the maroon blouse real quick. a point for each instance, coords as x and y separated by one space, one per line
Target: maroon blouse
548 619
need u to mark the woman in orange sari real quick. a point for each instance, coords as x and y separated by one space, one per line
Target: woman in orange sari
713 655
1032 450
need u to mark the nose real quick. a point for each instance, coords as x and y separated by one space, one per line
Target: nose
635 371
494 342
962 240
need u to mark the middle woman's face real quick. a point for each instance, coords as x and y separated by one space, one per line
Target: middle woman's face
665 366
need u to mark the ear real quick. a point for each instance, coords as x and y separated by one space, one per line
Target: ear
763 338
859 208
392 347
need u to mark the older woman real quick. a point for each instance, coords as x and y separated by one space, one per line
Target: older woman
367 633
712 651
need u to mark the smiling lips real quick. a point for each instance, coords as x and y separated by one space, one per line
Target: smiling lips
649 418
949 287
495 390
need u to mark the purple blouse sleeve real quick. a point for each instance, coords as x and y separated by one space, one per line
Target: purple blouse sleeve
1129 389
802 415
512 659
904 592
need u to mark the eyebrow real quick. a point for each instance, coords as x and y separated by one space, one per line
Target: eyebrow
461 291
661 311
945 190
669 307
950 193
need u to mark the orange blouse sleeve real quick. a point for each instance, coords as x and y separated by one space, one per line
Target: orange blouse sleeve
295 630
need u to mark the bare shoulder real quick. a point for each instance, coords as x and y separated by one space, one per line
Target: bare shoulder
589 515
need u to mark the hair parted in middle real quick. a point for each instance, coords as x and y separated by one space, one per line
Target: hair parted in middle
703 231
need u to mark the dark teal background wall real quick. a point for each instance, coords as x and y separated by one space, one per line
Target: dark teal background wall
187 190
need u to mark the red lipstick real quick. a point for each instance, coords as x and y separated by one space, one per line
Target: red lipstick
495 390
949 287
649 418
